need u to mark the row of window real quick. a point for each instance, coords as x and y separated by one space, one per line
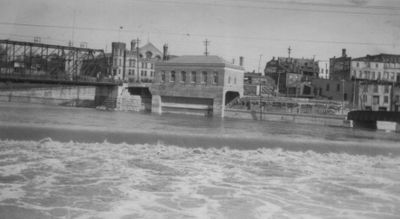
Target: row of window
337 87
379 65
377 75
193 77
132 63
376 101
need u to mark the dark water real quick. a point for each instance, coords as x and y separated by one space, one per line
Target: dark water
82 163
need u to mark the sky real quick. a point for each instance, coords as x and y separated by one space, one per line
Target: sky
258 30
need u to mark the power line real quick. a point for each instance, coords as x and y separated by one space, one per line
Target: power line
261 38
328 5
266 7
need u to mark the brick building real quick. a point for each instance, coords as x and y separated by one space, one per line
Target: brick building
196 84
339 68
134 64
378 77
290 74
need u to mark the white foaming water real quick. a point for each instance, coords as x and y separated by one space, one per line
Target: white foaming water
50 179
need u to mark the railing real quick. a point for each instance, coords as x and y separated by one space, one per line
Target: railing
289 105
57 78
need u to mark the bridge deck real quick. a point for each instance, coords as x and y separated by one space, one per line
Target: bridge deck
374 116
51 80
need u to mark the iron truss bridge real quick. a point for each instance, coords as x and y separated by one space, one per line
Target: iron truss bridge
44 63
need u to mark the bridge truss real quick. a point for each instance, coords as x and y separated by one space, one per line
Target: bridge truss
26 60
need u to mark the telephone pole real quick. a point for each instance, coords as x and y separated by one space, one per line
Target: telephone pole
206 43
137 60
289 51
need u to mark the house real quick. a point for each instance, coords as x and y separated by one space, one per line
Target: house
196 85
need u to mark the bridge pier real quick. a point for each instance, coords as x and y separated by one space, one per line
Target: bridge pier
364 124
107 96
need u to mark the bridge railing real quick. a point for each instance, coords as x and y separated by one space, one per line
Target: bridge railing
56 78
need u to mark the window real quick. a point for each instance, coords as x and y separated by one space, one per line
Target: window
375 100
163 76
365 98
204 75
376 65
338 87
386 89
373 76
375 89
193 78
129 72
152 66
172 79
327 87
229 79
234 80
358 64
183 76
215 77
345 96
133 72
386 99
119 62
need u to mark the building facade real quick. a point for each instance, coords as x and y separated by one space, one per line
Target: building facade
339 68
323 69
290 74
338 90
196 84
378 77
136 64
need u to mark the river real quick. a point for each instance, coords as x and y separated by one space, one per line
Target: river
60 162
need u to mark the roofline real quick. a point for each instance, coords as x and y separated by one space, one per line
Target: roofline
223 65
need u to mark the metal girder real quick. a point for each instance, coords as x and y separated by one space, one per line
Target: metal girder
55 61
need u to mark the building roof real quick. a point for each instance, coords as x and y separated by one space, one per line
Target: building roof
150 47
392 58
202 60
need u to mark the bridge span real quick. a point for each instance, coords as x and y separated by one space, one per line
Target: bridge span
386 120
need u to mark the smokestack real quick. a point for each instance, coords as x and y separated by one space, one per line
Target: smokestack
133 45
344 53
241 61
165 52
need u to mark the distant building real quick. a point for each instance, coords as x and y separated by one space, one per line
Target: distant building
253 82
196 84
339 90
291 74
136 64
339 68
323 69
378 77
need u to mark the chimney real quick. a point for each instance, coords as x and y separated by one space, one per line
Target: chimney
133 45
165 52
344 53
241 61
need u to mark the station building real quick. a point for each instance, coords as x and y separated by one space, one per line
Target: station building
196 85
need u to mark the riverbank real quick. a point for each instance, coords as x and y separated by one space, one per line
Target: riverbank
36 122
326 120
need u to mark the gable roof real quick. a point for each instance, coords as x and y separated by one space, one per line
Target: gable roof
150 47
203 60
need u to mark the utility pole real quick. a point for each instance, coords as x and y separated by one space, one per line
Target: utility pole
259 64
137 60
289 51
206 43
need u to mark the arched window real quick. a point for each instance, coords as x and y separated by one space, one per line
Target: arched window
172 79
183 76
149 55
